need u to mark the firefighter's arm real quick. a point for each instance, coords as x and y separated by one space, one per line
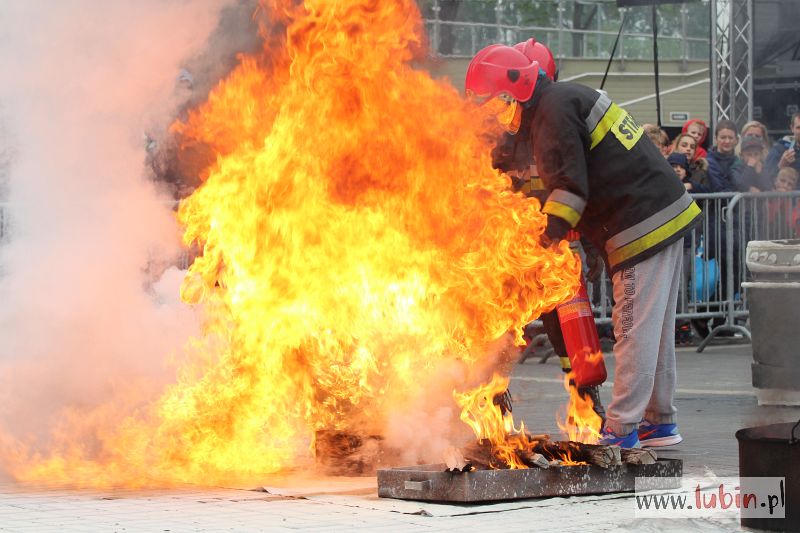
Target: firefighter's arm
509 154
561 144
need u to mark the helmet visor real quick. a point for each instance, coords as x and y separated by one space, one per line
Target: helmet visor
507 111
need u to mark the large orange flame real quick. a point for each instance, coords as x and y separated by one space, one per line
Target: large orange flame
353 235
480 412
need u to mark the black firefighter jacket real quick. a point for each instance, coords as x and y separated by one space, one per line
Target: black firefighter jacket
604 177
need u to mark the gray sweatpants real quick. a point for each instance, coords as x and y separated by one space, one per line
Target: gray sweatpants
644 325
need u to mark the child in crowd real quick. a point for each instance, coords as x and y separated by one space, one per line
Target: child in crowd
753 178
659 137
783 215
687 145
680 163
697 129
786 180
724 168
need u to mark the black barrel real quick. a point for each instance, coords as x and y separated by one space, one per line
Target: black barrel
769 451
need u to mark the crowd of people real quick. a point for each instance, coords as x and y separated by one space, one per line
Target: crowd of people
736 161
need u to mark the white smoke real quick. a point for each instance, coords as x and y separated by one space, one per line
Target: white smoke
82 81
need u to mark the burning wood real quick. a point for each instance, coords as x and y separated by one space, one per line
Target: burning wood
544 453
502 446
533 459
639 456
340 453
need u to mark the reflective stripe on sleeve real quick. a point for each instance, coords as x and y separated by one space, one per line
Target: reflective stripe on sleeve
563 211
565 197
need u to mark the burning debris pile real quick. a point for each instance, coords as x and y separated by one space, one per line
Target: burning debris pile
501 445
358 259
506 463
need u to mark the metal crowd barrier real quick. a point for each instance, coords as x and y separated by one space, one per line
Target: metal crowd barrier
714 259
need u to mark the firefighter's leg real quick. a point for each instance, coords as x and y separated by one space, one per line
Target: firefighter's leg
553 329
661 408
645 294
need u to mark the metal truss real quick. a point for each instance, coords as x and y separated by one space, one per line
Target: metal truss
732 61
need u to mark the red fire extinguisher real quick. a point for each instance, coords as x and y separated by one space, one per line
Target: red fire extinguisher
581 340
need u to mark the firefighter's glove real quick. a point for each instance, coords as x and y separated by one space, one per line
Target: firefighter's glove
502 158
594 263
507 156
503 401
555 231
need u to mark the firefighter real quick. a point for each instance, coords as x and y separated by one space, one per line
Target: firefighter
613 186
513 156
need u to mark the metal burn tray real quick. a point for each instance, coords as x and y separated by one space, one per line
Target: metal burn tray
434 483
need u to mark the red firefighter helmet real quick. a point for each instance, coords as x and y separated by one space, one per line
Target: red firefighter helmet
500 70
536 51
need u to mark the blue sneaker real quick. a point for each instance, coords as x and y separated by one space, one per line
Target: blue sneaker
655 435
609 438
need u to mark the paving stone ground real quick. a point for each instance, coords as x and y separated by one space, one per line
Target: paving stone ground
715 398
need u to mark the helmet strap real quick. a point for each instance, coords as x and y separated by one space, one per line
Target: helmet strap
541 82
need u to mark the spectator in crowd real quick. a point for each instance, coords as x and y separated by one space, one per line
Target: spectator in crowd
782 215
659 138
785 152
680 164
724 174
786 180
687 145
756 129
753 177
697 129
724 168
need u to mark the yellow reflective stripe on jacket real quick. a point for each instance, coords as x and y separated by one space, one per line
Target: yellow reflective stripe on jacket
530 185
558 209
656 236
651 223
